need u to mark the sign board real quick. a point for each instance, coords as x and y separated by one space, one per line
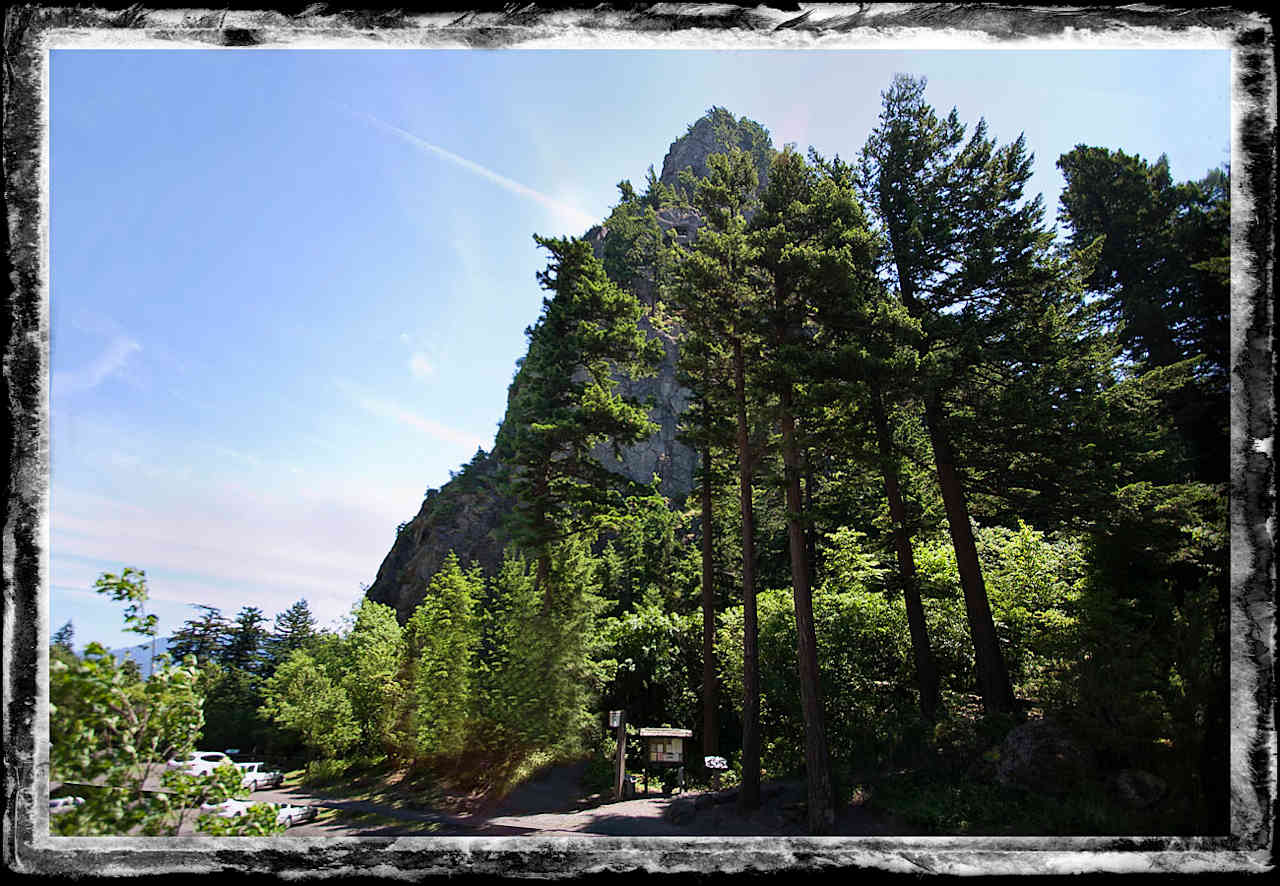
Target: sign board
666 750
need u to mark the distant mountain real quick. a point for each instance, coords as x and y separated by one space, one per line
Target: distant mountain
142 653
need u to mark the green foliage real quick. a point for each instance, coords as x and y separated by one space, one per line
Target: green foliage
303 698
106 729
64 638
504 699
563 401
1158 575
130 586
370 654
259 820
441 639
1162 277
645 558
864 654
204 637
1034 582
294 628
232 697
537 677
111 734
655 658
246 641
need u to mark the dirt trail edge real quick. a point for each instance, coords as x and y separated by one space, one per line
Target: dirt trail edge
554 803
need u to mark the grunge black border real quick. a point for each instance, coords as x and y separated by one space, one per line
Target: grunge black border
29 32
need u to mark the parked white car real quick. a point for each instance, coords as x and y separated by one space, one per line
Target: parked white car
64 804
285 814
289 815
256 777
200 762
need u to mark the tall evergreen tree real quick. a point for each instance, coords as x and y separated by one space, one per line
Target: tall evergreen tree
440 644
717 299
1162 277
293 629
958 239
706 425
205 636
563 401
246 640
64 637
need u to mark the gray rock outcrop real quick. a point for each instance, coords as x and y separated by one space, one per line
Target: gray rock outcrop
465 515
1041 756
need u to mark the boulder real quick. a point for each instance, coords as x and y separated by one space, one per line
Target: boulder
1138 788
681 810
1041 756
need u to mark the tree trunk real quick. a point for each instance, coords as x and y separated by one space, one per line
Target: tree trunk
810 541
749 792
926 667
993 678
816 755
710 726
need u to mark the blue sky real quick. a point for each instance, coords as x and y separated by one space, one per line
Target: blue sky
289 287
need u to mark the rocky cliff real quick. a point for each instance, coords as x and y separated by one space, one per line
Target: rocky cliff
465 515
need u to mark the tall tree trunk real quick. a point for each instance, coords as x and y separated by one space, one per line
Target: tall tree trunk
810 542
710 726
749 793
816 755
993 677
926 667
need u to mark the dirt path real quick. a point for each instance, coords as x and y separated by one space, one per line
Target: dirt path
554 804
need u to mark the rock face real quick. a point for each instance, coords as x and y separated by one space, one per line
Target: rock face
1040 756
716 133
465 515
662 454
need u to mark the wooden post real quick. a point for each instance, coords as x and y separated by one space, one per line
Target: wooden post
620 766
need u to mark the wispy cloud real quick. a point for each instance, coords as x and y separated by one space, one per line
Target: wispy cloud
434 429
420 366
389 409
109 362
564 211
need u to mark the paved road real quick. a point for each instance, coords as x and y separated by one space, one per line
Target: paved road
551 805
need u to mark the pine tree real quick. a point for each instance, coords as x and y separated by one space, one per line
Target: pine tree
64 637
817 255
293 629
1162 277
563 401
246 640
957 241
205 636
716 299
441 637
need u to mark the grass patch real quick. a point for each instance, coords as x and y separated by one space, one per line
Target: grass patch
352 818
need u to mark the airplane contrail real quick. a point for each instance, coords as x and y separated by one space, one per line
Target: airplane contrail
585 219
